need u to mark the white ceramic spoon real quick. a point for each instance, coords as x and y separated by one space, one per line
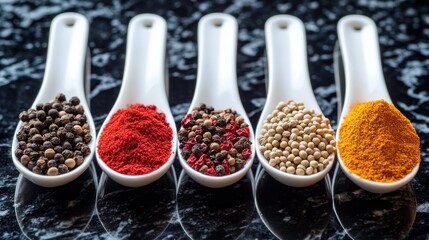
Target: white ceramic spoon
358 40
217 84
287 79
143 82
64 73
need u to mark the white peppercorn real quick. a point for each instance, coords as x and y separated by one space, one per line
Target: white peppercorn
297 140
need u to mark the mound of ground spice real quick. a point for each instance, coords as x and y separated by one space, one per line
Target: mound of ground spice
136 140
378 143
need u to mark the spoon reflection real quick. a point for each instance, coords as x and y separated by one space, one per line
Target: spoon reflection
137 213
363 214
366 215
293 213
208 213
44 213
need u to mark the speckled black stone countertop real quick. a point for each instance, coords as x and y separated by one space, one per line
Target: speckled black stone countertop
158 210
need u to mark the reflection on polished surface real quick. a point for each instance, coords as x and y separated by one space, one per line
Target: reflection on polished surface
367 215
293 213
207 213
60 211
137 213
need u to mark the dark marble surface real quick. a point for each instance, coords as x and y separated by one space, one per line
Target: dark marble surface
404 41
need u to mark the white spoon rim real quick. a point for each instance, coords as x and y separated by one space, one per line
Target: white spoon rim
143 83
288 79
367 85
216 81
72 85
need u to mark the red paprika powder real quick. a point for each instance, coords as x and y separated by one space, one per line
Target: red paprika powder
136 140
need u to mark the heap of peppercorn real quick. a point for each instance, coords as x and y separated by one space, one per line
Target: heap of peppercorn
214 142
53 137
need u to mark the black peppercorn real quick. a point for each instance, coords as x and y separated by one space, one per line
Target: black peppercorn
216 138
186 154
239 163
62 168
57 130
58 122
48 121
27 151
23 116
61 133
196 149
52 163
74 100
33 146
69 109
68 127
207 141
57 106
67 154
53 127
239 146
87 138
18 153
58 149
47 107
221 122
67 145
77 140
34 131
47 137
220 170
212 153
37 170
83 119
31 115
69 136
22 145
59 158
55 141
21 136
39 125
197 115
78 159
53 112
85 150
37 139
31 164
220 157
60 97
199 138
34 156
41 115
47 144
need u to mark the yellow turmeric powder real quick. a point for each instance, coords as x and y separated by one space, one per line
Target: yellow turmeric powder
378 143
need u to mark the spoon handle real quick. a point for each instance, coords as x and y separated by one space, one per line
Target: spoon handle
65 62
358 40
145 61
216 77
287 58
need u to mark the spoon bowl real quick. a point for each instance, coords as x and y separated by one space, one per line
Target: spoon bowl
287 79
143 82
358 40
217 84
64 73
